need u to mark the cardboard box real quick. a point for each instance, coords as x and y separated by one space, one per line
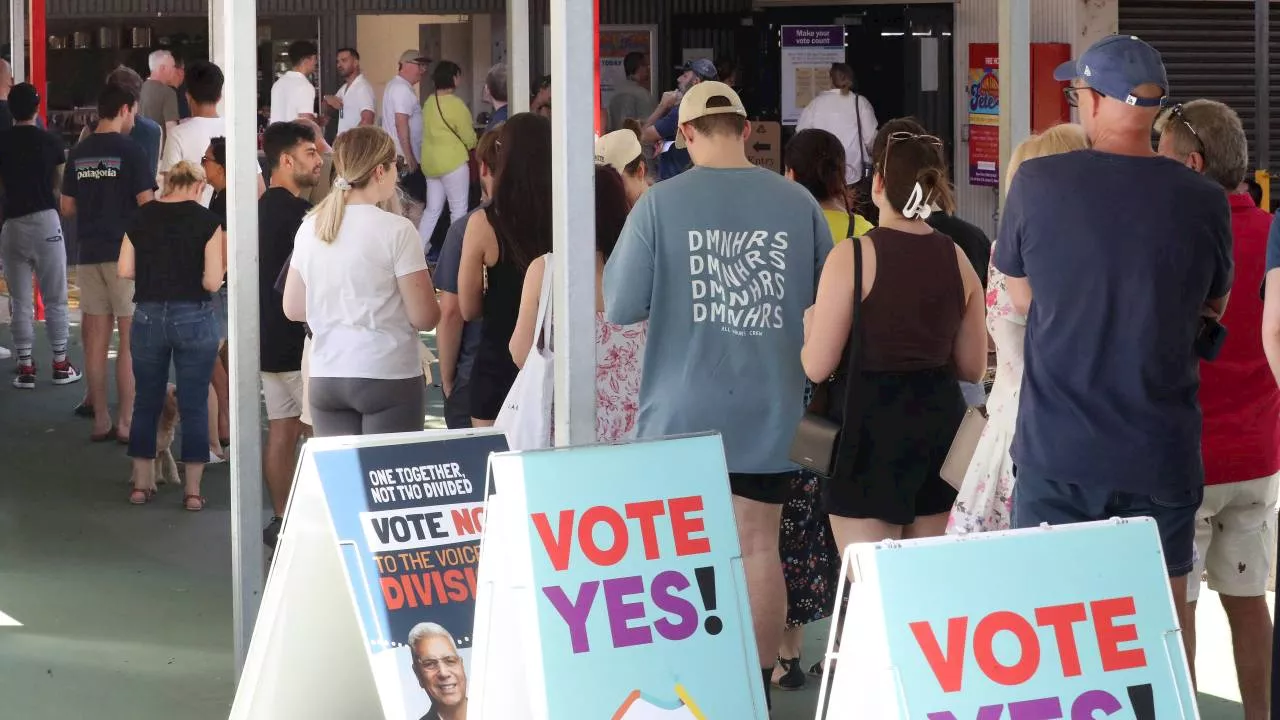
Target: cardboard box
764 147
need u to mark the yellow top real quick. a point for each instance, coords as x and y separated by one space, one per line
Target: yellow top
839 222
443 151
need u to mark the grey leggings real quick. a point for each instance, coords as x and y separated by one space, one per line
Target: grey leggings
360 406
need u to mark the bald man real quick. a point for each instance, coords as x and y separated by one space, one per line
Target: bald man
1122 259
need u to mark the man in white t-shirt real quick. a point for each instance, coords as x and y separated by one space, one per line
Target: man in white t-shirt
190 139
354 101
293 96
402 111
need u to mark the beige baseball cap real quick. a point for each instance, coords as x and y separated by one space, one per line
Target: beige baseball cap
694 104
414 56
618 149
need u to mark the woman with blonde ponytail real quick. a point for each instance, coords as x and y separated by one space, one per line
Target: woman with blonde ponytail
359 280
173 251
919 328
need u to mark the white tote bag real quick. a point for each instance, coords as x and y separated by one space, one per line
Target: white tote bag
525 416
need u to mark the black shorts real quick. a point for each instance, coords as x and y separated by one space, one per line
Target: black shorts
908 422
771 488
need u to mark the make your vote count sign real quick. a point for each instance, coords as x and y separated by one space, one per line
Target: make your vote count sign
381 543
1073 622
612 587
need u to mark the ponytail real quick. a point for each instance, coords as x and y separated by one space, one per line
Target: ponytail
357 155
182 176
842 78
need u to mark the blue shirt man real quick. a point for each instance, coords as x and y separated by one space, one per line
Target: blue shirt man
665 128
1118 253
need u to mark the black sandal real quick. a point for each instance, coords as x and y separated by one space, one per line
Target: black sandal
793 678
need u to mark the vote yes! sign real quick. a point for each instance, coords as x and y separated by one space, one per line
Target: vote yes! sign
1072 623
619 567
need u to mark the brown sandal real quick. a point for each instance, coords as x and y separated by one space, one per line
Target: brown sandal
186 502
139 496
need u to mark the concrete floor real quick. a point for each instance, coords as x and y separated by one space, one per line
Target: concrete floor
125 611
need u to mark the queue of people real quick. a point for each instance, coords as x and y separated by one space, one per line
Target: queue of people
844 272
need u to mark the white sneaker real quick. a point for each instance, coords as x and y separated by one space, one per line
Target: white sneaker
5 354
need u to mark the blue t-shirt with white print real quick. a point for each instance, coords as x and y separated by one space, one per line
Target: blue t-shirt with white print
723 263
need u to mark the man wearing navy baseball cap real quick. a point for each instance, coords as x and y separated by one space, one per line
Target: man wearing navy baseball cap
663 125
1116 254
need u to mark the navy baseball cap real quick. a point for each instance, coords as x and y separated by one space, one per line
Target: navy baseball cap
701 67
1115 66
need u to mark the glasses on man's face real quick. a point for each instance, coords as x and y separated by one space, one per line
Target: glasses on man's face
433 665
1073 94
206 160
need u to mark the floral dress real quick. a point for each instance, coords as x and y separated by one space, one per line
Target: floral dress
986 496
619 365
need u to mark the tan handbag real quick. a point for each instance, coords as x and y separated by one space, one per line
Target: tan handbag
963 446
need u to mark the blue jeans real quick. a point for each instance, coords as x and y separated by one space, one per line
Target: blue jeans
1038 499
187 334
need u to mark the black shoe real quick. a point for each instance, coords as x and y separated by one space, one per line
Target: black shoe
271 533
794 678
84 410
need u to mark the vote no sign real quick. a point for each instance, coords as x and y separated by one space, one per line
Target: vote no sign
1066 623
611 586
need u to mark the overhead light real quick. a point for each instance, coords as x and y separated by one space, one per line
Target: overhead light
946 34
892 34
922 34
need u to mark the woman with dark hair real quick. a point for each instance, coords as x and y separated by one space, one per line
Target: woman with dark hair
915 316
619 348
497 249
815 159
447 138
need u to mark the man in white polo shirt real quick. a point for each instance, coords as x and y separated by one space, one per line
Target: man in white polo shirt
354 101
293 96
402 119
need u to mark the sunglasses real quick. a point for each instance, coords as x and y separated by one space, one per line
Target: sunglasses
1175 112
902 136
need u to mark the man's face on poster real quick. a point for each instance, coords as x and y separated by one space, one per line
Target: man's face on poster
440 671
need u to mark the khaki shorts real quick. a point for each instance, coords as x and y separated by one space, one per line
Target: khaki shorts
103 292
283 394
1236 538
306 381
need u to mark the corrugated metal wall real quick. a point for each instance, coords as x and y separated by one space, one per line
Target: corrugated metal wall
1208 49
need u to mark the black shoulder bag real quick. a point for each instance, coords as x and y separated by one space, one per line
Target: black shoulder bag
817 446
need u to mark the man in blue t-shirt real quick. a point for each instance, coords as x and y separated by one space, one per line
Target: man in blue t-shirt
1117 255
663 125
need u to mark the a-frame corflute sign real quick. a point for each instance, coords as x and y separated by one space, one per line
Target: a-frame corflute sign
368 611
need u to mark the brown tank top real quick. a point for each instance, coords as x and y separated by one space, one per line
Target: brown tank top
914 310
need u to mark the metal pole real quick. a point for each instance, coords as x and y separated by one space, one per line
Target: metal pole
18 39
518 66
1262 82
239 25
1015 80
573 220
39 48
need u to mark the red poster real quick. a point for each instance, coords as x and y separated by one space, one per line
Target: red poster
984 114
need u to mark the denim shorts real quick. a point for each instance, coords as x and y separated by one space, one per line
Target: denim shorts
1037 499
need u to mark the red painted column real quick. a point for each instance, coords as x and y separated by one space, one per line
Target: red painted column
595 65
37 75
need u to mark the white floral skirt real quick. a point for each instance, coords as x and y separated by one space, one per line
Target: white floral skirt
985 501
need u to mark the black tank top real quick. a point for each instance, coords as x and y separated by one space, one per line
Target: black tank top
913 313
501 304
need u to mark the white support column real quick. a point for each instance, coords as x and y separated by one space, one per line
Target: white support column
18 39
240 65
573 217
518 67
1015 79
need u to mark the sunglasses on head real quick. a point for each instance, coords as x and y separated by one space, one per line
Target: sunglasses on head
903 136
1175 113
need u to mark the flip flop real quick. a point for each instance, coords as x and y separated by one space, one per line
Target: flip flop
83 410
138 496
107 436
198 498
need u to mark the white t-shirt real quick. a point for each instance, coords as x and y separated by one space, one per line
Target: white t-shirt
189 141
357 317
356 98
839 114
399 97
292 95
